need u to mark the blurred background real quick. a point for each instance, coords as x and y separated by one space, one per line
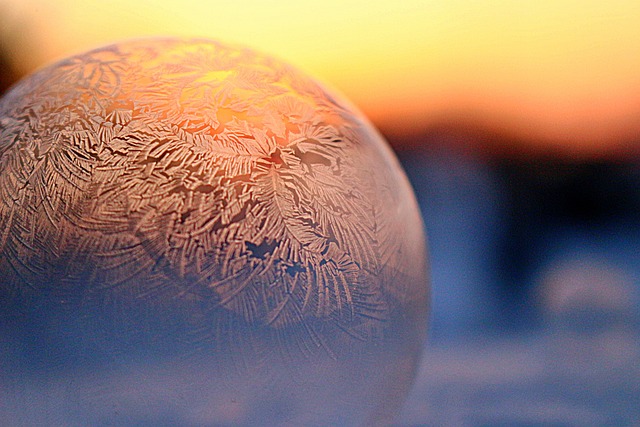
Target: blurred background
518 124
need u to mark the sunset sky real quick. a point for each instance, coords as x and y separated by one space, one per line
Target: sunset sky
559 71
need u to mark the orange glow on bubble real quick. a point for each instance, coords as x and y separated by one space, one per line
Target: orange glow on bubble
242 223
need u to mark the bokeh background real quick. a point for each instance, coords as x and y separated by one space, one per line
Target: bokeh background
518 124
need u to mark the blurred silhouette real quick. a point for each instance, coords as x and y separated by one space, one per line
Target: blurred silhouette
8 74
497 216
12 38
535 281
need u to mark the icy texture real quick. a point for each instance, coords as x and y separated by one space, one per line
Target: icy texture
208 220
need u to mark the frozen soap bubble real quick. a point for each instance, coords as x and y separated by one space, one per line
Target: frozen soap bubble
193 234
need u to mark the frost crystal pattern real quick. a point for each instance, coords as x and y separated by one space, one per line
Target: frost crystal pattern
174 197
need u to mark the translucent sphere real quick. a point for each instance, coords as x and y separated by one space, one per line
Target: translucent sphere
194 234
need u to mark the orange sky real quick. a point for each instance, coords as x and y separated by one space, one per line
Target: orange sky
560 71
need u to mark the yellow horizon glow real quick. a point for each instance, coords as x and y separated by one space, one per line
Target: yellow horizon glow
560 70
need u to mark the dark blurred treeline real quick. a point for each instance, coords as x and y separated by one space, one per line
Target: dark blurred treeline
8 73
502 220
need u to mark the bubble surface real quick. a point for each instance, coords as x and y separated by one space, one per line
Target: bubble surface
197 234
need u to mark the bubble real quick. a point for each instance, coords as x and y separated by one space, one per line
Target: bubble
197 234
